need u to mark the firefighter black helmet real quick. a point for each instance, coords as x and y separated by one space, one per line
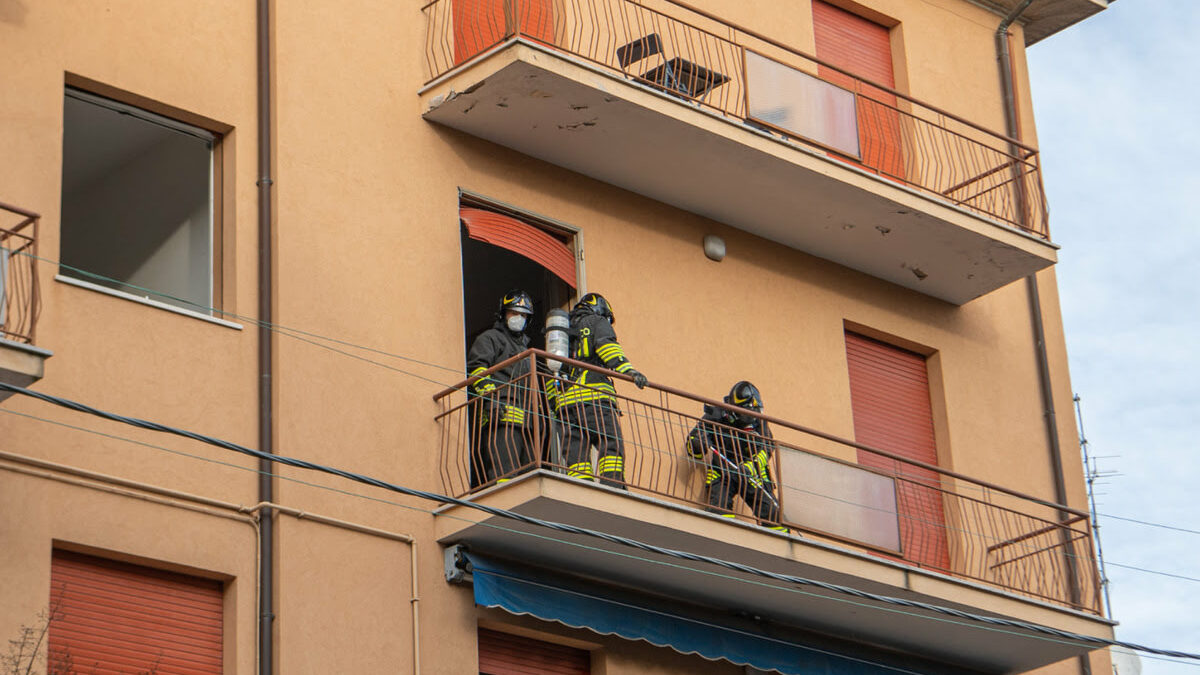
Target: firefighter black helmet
516 301
745 395
596 304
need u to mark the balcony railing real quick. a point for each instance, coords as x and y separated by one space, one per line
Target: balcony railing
19 300
827 487
745 76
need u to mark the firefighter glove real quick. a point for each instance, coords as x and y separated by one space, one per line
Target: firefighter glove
638 379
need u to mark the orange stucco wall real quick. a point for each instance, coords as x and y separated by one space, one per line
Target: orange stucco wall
367 251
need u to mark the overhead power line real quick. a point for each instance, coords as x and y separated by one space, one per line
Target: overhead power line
572 529
524 533
316 340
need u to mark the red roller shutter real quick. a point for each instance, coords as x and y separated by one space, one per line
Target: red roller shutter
863 48
480 24
520 237
114 617
504 654
889 395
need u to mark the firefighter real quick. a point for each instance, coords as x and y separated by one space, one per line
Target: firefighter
739 449
586 402
505 415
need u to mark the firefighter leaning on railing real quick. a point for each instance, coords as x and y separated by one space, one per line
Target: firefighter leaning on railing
586 402
504 414
739 449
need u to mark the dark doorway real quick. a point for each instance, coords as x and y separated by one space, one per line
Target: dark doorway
491 271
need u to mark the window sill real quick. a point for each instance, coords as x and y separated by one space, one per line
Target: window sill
145 301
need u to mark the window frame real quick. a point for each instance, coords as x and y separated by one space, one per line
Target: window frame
216 135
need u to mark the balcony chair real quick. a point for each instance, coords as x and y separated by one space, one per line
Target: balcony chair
676 76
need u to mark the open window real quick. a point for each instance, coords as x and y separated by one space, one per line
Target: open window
503 249
138 202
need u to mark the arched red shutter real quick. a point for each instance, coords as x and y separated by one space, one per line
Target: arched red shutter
504 654
522 238
111 616
863 48
889 395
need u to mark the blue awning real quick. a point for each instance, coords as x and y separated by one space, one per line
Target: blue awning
609 612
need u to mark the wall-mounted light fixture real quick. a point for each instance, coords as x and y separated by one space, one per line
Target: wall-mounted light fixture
714 247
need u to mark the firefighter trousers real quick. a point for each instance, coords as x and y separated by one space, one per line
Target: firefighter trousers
503 446
594 424
742 482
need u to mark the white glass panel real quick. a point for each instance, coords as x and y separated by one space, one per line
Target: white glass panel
840 499
799 103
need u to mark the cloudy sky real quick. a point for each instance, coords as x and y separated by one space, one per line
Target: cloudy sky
1117 100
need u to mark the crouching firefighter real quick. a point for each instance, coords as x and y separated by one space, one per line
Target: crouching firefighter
505 400
739 449
586 402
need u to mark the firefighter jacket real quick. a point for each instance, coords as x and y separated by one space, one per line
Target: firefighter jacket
494 345
594 342
736 447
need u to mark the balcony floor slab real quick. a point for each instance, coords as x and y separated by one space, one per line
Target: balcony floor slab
920 633
21 364
572 114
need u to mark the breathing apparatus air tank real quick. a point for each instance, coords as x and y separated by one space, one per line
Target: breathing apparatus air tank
558 339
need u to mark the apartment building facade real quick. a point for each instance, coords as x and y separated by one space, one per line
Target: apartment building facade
281 225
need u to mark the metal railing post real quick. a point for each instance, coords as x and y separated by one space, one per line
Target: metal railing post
535 411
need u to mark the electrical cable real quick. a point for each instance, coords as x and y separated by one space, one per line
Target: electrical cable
576 544
1149 571
233 315
297 334
1149 524
603 536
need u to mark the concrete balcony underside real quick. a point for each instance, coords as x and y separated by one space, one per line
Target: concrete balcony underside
561 110
914 632
20 364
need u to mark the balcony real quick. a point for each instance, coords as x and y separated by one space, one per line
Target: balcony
21 363
722 122
866 518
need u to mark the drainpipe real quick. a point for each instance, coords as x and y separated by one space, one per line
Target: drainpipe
1004 59
266 442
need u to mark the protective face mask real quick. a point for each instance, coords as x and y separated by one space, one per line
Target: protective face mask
516 323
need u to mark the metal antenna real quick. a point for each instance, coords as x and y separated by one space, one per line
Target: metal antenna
1092 472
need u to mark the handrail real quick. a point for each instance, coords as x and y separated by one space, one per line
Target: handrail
775 43
21 297
929 517
19 211
766 418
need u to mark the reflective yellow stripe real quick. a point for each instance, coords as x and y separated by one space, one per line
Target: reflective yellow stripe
578 394
711 477
611 464
477 371
513 415
584 349
609 351
580 470
728 515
